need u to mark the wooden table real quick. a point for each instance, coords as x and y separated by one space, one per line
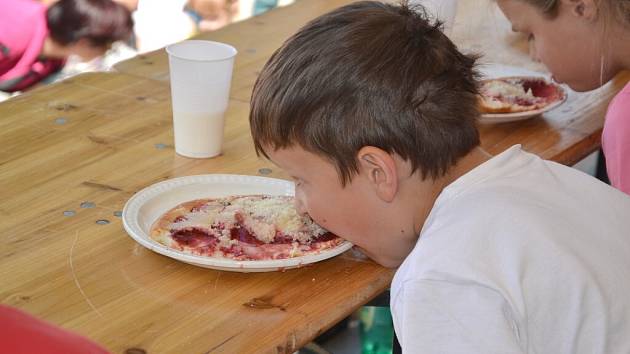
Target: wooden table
565 135
74 152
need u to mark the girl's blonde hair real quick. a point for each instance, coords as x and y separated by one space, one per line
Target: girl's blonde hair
619 9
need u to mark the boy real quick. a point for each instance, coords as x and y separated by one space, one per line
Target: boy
372 110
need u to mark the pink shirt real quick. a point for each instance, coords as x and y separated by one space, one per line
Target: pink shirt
616 140
23 29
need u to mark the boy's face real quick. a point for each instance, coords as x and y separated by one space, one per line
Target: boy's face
569 44
319 193
354 211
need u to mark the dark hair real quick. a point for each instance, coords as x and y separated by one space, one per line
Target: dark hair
369 74
101 22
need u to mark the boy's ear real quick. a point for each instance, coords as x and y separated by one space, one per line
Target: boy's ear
380 169
586 9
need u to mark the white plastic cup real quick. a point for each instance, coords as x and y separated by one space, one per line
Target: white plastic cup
444 10
201 75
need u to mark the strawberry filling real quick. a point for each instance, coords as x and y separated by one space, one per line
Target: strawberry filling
248 248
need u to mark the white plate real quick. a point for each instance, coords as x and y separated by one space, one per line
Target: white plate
146 206
493 71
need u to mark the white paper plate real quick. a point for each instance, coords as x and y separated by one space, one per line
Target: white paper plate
493 71
146 206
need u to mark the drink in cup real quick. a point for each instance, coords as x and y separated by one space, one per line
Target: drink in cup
201 74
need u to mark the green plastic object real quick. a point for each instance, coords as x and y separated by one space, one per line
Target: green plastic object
376 330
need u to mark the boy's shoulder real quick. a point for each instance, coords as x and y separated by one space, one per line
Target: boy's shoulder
518 201
516 180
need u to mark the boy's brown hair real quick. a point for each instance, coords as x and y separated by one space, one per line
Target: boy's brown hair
369 74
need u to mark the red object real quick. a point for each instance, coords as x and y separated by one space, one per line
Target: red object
21 333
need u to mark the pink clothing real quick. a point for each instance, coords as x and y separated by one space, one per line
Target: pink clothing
23 29
616 141
24 334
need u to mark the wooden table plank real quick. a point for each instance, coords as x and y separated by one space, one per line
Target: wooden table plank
96 280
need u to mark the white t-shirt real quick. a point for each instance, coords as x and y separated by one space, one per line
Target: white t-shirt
520 255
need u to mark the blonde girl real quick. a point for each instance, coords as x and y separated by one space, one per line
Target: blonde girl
584 43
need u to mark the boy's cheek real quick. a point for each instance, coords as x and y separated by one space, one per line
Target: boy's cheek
322 221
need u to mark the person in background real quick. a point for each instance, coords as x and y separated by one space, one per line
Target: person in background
210 15
373 112
584 44
35 40
261 6
24 334
159 23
